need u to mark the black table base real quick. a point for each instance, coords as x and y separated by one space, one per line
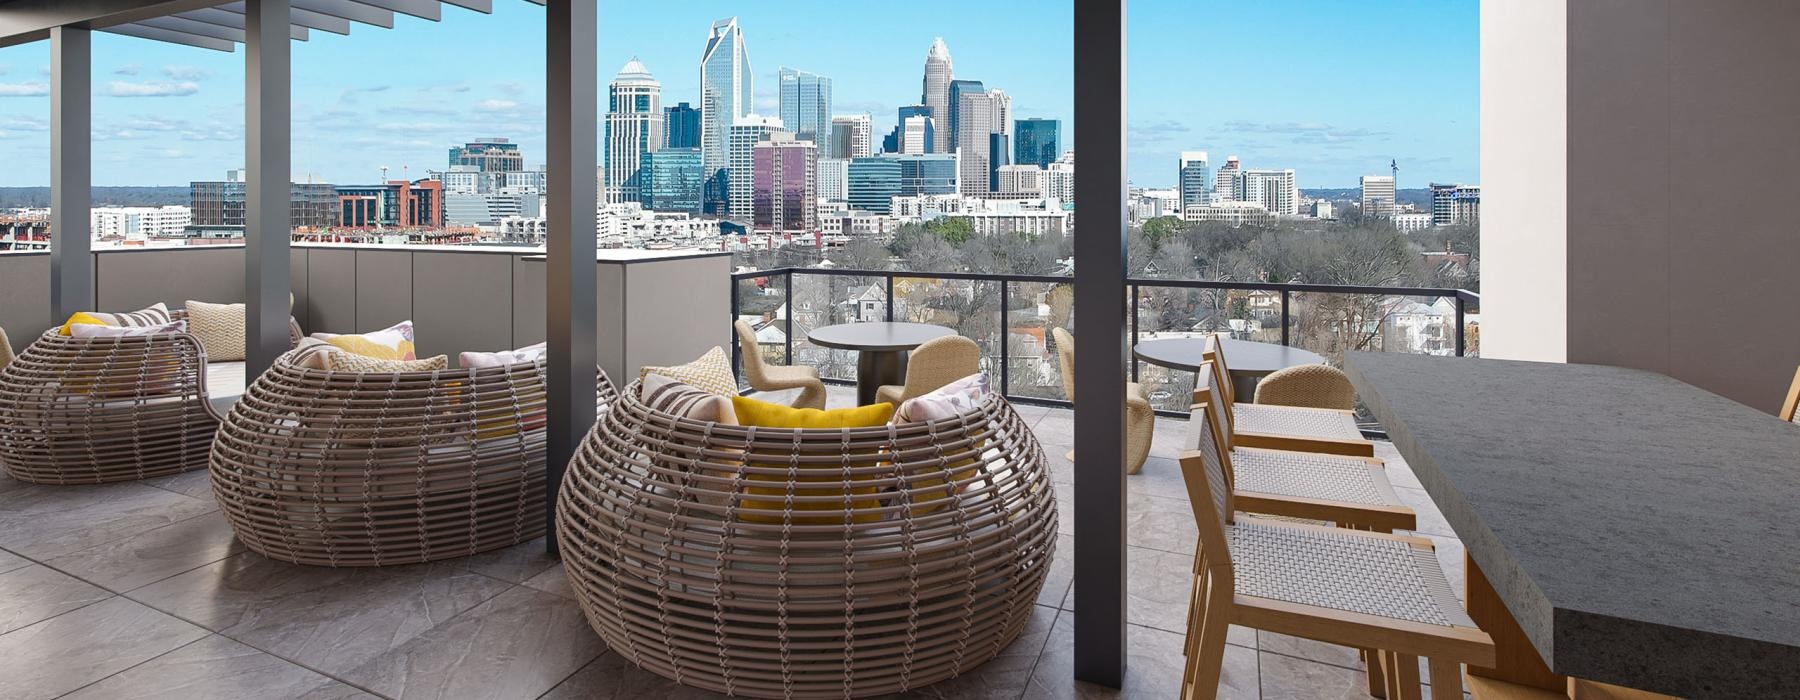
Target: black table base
875 369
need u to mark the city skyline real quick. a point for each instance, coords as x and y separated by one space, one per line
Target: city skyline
167 115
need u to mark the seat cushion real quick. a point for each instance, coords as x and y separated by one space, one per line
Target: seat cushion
774 415
1297 422
224 385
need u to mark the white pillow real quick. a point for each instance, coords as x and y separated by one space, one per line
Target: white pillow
89 330
529 353
948 401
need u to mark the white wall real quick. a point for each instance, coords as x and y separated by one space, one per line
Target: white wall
1524 179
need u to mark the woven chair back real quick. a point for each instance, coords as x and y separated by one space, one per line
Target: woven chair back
1206 470
751 352
1310 386
940 361
1065 359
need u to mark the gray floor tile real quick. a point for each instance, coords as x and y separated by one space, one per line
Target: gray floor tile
217 668
515 564
328 619
36 593
519 644
1160 584
194 484
143 559
10 561
1286 677
553 581
1153 667
611 677
1061 573
69 651
1300 648
44 522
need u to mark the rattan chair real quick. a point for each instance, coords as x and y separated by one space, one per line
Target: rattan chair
385 468
1307 386
95 410
931 366
784 563
1285 427
1360 589
1348 491
1791 407
1140 418
763 376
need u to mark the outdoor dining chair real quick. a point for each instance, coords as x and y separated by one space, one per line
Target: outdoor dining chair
1788 407
763 376
1284 427
932 366
1140 418
1360 589
1307 386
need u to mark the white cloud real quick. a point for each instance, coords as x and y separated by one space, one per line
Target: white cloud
496 105
127 69
185 73
154 89
24 89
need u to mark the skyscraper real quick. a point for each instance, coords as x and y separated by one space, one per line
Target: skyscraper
1034 142
1275 190
873 183
494 155
681 126
1377 195
999 155
979 116
726 94
834 177
671 179
948 116
739 186
1193 174
805 105
852 136
634 126
936 94
1455 204
784 184
916 134
1227 184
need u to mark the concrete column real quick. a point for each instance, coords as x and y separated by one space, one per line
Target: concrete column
71 172
267 222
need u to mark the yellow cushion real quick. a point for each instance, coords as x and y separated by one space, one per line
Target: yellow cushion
392 343
771 415
81 318
711 372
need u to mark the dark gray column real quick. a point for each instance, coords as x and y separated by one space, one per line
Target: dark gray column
1100 339
267 227
571 55
71 172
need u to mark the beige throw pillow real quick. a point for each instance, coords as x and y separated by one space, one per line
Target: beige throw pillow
220 329
352 362
712 373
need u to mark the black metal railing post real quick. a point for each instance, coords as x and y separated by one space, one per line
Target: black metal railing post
1005 345
1461 309
787 332
1284 317
890 297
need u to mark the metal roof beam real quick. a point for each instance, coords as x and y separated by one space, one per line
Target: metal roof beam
422 9
482 6
178 23
308 18
157 34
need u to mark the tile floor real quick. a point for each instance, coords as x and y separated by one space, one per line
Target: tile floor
139 590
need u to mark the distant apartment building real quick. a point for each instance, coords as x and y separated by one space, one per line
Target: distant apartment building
1016 217
634 126
873 181
1059 179
1377 195
681 126
1020 179
784 181
804 102
139 223
852 136
916 134
1411 221
1453 205
1275 190
1035 142
672 179
493 155
1152 203
399 203
744 135
834 180
1194 178
1228 184
1230 212
980 116
220 203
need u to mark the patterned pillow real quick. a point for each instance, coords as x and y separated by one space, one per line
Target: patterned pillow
311 352
672 396
352 362
155 315
712 373
220 329
948 401
89 330
392 343
529 353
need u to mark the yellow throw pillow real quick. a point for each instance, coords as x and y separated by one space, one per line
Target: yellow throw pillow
352 362
81 318
711 372
154 315
219 328
772 415
392 343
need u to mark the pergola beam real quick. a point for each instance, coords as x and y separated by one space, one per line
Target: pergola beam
422 9
305 18
235 20
173 37
71 171
482 6
188 25
268 113
25 21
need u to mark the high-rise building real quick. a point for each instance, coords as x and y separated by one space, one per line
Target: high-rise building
1059 179
852 136
495 155
805 102
1453 205
785 185
739 186
1193 175
949 117
139 223
916 134
1035 142
873 183
634 126
221 203
681 126
672 180
999 155
1377 195
1229 184
416 203
726 95
936 93
1275 190
979 116
834 179
1022 178
929 173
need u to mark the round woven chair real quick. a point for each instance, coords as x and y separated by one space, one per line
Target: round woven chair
789 563
97 410
1311 386
374 469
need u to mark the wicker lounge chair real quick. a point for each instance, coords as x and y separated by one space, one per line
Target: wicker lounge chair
1307 386
373 469
1140 418
909 554
96 410
763 376
1790 408
1285 427
1368 590
931 366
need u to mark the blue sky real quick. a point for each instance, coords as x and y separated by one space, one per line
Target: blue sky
1332 89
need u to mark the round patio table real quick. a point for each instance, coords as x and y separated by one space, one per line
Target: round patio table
1248 360
880 350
